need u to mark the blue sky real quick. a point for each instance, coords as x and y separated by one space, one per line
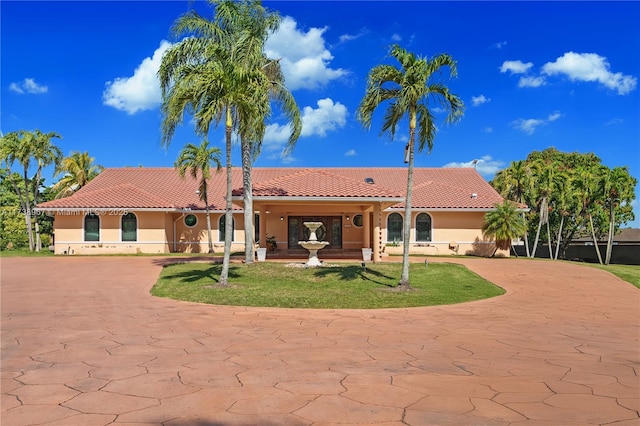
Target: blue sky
532 75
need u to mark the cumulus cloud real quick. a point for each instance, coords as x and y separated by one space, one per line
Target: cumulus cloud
485 165
529 125
303 56
28 85
531 82
351 153
479 100
590 67
141 91
329 116
515 67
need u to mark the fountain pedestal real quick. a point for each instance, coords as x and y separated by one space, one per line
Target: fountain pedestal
313 245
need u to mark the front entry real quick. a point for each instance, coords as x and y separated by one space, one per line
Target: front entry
331 230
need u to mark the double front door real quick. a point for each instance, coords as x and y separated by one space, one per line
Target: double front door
331 230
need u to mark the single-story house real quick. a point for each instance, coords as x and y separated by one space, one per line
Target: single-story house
154 210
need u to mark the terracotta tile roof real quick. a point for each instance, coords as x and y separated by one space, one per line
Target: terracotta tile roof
163 188
317 183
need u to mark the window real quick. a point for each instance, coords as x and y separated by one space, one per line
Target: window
91 227
357 220
190 220
129 227
221 228
394 227
423 227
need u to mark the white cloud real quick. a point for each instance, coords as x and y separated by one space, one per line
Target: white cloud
348 37
351 153
28 85
500 44
141 91
485 165
488 130
529 125
613 122
554 116
531 81
515 67
303 56
396 37
590 67
327 117
479 100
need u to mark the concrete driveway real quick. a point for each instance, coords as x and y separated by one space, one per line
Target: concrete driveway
84 343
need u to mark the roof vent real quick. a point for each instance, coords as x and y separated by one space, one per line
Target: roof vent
369 180
474 195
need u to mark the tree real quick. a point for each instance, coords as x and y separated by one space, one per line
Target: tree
617 189
45 154
77 169
513 183
504 224
409 89
202 75
198 160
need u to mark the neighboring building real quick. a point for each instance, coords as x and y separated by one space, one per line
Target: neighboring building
154 210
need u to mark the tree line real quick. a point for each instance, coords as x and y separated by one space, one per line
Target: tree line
570 195
31 152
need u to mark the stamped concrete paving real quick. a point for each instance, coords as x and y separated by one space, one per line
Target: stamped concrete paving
83 343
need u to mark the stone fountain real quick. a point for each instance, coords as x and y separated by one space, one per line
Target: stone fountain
313 245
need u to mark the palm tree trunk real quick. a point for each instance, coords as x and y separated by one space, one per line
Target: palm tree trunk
27 215
526 236
543 207
559 237
406 229
595 240
35 203
224 274
247 201
549 241
535 243
612 213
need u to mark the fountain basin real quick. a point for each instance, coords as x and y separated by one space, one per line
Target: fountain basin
313 247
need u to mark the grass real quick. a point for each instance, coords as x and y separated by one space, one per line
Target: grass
629 273
26 253
341 286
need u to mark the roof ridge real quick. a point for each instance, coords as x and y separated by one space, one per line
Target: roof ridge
356 181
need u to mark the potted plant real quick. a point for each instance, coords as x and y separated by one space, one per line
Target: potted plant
271 243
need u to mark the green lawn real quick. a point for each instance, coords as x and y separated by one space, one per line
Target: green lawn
629 273
341 286
26 253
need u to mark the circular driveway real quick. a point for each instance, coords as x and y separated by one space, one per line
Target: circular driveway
84 343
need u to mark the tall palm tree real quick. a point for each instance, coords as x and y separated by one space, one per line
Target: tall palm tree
77 169
409 89
198 160
45 154
617 187
584 184
504 224
202 75
513 183
17 147
545 182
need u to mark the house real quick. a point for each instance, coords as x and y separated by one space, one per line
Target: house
154 210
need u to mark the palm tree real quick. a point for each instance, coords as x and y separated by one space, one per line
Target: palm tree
17 147
77 169
513 183
617 187
584 184
45 154
545 182
198 160
504 224
409 90
202 74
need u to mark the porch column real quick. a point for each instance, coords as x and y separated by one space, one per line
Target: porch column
377 237
366 229
263 227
